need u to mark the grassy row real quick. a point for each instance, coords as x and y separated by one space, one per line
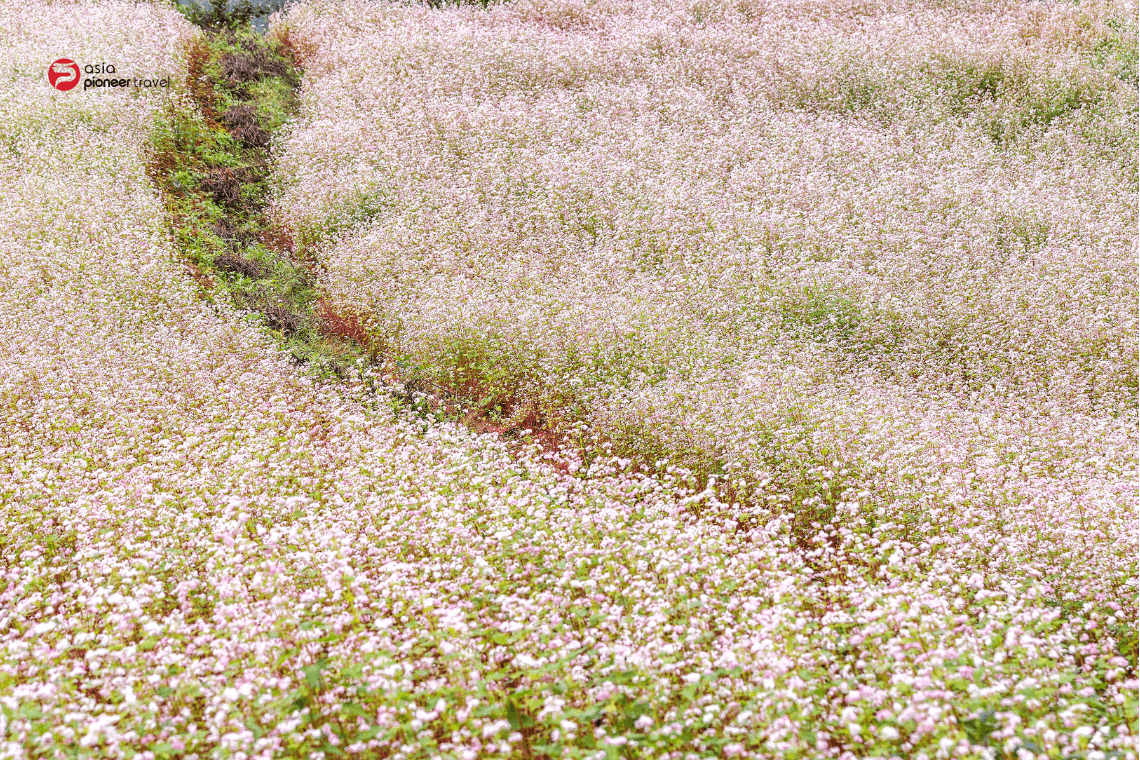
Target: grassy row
212 161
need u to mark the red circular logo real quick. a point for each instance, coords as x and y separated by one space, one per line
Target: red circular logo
63 74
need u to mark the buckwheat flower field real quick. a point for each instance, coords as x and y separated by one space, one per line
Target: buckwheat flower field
835 303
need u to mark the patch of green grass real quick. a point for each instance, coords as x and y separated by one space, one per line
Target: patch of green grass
822 315
852 89
472 368
1057 100
1021 233
1006 98
276 99
827 317
1118 51
351 212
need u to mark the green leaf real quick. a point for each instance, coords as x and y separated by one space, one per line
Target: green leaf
351 708
368 734
30 710
1031 746
313 674
635 710
979 728
623 677
1132 709
513 716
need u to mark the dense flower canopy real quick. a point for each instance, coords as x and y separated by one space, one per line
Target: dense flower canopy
858 277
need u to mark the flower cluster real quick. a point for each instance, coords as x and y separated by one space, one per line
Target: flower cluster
203 553
867 267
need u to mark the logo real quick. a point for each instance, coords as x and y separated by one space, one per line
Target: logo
63 74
